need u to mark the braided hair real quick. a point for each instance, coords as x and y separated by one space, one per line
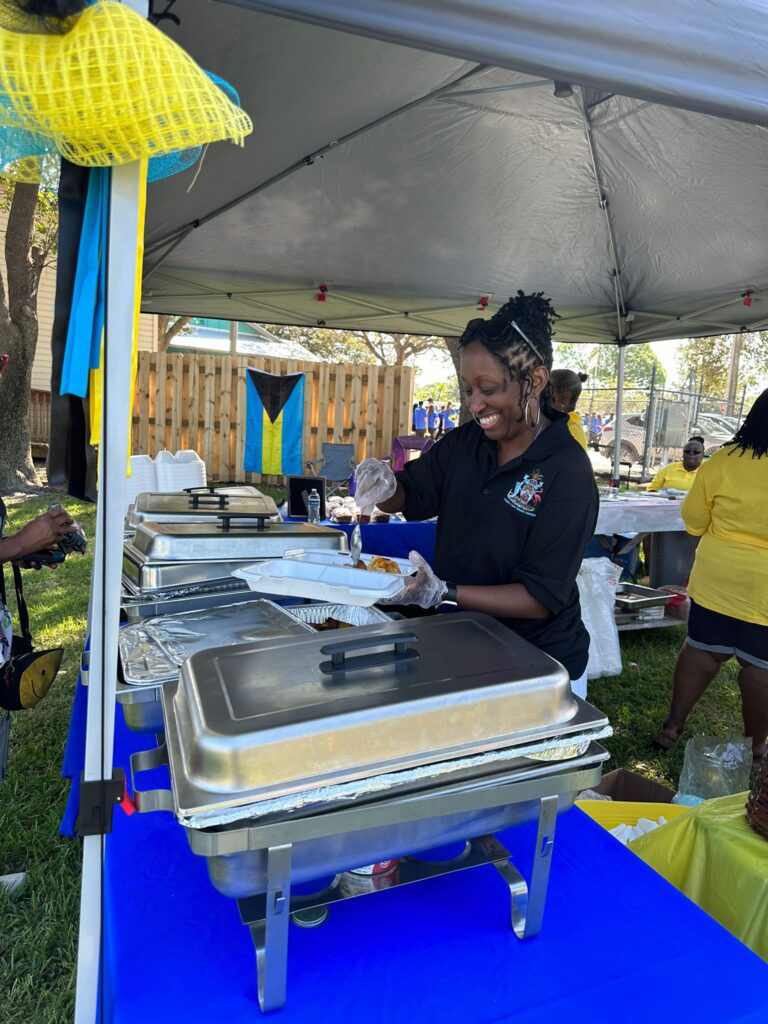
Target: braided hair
752 435
519 336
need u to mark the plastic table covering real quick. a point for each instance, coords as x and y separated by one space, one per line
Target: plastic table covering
714 857
617 940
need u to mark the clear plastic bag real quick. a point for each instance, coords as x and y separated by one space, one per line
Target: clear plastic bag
597 582
714 767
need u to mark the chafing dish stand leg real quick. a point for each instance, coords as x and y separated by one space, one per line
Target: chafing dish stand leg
270 933
267 916
528 902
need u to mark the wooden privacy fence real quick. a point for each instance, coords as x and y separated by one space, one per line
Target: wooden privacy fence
198 402
39 417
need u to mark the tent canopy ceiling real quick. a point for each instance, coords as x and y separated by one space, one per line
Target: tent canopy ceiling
440 179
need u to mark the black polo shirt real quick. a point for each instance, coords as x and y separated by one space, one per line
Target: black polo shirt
527 522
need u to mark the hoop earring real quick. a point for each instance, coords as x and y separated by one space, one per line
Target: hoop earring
529 422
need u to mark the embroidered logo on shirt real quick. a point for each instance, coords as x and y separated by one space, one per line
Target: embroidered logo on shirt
525 496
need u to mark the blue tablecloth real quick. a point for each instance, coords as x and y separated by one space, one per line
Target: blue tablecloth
618 943
396 538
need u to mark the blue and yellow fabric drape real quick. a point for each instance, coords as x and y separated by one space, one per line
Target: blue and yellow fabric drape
274 423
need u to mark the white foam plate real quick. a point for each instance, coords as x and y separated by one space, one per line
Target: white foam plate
323 557
294 578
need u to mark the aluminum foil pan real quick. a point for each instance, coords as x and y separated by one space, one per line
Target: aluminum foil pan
181 636
142 661
315 614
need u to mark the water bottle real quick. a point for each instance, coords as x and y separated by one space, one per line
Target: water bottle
313 506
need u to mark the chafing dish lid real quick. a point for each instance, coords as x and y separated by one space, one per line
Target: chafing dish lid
277 717
219 539
210 502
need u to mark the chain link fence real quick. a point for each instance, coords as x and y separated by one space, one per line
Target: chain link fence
656 423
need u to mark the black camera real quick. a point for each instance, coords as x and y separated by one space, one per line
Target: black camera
74 540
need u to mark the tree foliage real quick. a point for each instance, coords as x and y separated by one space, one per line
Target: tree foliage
334 346
443 391
30 245
703 363
707 361
599 361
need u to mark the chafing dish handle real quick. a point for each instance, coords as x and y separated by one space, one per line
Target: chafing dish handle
208 499
146 800
226 525
338 651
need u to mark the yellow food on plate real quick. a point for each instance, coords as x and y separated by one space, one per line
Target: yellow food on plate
381 564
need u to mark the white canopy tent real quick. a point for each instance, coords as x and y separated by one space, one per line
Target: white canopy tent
412 158
411 182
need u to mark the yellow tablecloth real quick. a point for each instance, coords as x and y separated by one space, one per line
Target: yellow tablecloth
714 857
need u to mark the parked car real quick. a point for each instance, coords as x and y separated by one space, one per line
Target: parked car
715 425
709 426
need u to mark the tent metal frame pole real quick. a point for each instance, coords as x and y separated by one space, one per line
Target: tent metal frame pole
177 237
621 364
688 317
107 565
621 306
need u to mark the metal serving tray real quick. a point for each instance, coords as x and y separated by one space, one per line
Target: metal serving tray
259 863
630 597
146 577
199 506
223 541
266 720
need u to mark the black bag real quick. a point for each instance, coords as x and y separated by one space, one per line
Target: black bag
27 675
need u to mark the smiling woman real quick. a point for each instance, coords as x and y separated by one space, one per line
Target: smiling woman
514 493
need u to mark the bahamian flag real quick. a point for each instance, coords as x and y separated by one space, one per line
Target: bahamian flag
274 423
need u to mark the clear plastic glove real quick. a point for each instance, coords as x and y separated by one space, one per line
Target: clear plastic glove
424 589
374 482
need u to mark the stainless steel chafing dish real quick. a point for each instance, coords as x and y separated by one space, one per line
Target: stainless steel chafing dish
291 760
191 557
152 651
199 505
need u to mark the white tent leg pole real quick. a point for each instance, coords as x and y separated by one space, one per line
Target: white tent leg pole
108 555
621 362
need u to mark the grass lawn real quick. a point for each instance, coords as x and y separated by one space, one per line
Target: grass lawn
38 926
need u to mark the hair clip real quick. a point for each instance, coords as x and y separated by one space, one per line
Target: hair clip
528 341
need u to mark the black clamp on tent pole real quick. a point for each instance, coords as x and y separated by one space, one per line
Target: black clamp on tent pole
97 802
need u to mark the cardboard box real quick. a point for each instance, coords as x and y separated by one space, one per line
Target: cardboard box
621 784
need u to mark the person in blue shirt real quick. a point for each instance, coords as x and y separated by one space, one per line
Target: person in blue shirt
420 420
448 417
432 418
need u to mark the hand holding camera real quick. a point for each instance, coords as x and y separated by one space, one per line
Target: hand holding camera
48 539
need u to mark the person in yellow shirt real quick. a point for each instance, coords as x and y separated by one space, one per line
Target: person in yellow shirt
678 476
567 388
727 507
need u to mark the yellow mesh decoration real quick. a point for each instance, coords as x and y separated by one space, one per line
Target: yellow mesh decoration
111 90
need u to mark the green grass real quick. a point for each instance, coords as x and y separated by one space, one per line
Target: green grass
38 927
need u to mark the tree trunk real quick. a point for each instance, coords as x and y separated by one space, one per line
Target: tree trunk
18 339
17 471
452 344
